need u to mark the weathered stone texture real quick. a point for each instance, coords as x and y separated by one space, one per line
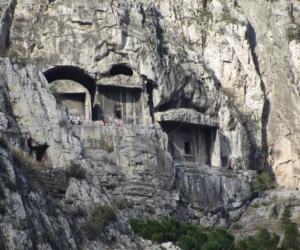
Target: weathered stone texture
29 217
231 64
265 212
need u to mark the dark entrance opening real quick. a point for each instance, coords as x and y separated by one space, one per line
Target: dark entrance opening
190 142
39 151
187 147
118 111
120 70
72 73
149 89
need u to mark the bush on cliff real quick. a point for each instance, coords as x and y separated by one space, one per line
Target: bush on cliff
101 217
261 183
265 240
76 171
286 216
185 236
291 239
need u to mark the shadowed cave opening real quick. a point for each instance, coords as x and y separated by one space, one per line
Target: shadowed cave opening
120 69
72 73
39 151
74 101
190 142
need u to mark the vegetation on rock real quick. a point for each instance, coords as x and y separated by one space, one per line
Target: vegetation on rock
265 240
261 183
286 216
76 171
101 217
185 236
192 237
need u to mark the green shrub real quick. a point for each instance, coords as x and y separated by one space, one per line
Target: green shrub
63 123
187 242
291 237
268 241
236 227
265 240
185 236
121 205
76 171
101 217
286 216
261 183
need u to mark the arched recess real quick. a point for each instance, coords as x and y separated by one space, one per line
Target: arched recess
120 69
74 74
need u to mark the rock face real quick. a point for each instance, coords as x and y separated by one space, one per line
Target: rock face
222 61
266 211
227 70
30 217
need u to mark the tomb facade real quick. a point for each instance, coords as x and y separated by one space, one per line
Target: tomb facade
190 142
74 97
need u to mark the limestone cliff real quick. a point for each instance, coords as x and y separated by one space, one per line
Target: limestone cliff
196 84
232 60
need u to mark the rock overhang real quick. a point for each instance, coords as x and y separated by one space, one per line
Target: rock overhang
187 116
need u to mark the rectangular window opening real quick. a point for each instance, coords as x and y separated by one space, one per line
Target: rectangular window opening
118 111
187 147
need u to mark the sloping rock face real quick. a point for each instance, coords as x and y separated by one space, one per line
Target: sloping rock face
266 211
141 178
31 218
211 196
235 65
212 56
95 36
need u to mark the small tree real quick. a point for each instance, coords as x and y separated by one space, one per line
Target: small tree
102 216
261 183
286 216
291 237
267 240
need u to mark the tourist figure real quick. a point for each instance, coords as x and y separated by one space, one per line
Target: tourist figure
110 120
229 165
104 122
71 119
117 122
33 156
78 120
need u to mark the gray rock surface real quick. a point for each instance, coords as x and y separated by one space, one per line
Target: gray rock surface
266 211
232 64
222 58
31 218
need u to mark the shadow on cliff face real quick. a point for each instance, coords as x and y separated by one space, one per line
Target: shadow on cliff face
73 73
259 155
